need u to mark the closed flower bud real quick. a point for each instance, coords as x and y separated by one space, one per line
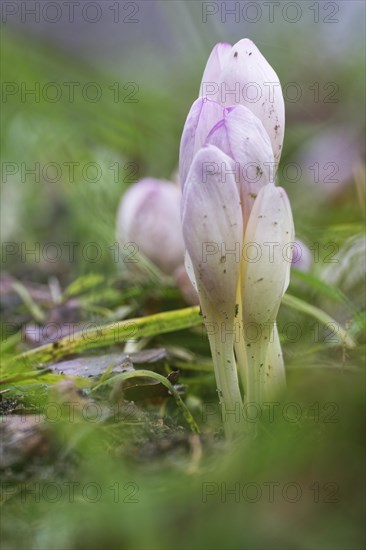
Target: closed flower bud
243 76
149 218
229 151
265 282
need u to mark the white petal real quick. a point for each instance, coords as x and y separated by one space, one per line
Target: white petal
270 233
212 228
209 85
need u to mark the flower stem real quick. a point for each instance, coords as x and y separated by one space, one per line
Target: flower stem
266 371
230 398
275 380
256 356
239 346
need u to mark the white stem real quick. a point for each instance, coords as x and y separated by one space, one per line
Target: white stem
230 398
275 380
266 371
256 356
239 346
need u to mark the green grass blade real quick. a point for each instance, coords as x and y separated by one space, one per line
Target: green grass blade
113 333
299 305
159 378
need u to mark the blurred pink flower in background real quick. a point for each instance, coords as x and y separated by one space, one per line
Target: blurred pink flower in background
149 217
301 258
330 158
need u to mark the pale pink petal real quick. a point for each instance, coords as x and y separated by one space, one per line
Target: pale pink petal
211 76
242 136
201 118
248 79
212 228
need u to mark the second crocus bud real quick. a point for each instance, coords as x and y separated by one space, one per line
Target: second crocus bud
148 221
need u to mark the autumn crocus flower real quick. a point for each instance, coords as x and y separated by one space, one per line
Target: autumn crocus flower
226 209
234 292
